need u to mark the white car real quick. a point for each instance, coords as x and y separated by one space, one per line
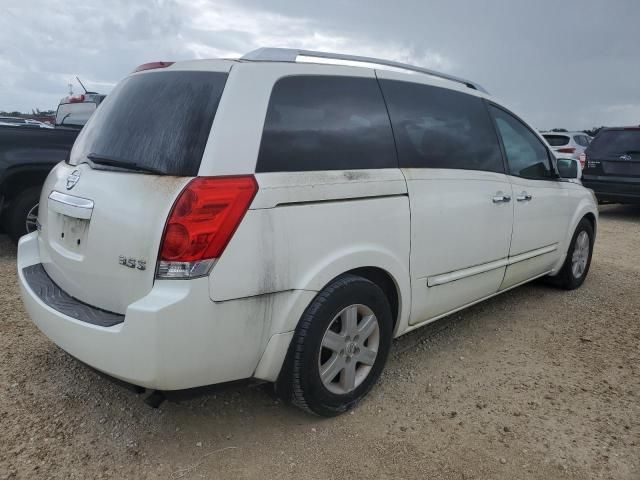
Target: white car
568 144
282 219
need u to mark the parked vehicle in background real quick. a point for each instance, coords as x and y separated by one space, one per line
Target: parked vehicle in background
27 154
612 170
360 204
571 144
22 122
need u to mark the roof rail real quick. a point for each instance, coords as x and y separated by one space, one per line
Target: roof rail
292 54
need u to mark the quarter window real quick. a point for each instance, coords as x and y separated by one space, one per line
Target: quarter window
527 156
441 128
326 123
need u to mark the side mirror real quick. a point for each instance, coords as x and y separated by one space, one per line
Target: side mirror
568 168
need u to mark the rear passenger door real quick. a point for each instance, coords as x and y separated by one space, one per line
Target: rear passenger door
460 198
541 209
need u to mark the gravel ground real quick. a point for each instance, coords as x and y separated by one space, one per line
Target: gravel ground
537 383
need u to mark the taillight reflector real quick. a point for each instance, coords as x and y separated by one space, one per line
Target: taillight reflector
567 150
202 222
152 65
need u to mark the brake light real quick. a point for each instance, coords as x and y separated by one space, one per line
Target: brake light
201 224
75 98
152 65
567 150
583 160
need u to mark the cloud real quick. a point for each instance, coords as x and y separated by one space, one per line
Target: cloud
557 65
102 45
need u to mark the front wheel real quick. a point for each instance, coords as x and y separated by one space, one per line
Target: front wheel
339 349
576 265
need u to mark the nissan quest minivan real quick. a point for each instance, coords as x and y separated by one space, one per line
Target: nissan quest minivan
285 215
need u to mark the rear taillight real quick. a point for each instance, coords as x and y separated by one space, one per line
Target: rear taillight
201 223
75 98
583 160
567 150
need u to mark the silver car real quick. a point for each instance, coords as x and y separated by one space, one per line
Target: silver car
569 144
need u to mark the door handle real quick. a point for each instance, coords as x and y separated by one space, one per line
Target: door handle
501 198
524 197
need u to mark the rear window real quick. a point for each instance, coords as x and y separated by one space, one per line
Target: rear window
74 114
159 121
441 128
556 140
616 142
324 122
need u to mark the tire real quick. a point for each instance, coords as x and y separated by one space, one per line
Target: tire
328 321
17 211
569 277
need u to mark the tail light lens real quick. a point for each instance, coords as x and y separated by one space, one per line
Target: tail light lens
583 160
201 223
567 150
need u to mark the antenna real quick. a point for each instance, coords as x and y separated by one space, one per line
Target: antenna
78 79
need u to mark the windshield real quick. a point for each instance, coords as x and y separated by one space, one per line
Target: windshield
157 121
616 142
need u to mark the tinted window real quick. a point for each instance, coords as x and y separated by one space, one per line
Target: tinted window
616 142
440 128
527 156
326 123
581 140
158 120
556 140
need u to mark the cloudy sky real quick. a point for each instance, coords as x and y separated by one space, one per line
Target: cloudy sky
572 64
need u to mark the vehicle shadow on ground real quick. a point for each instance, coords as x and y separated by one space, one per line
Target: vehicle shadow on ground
620 212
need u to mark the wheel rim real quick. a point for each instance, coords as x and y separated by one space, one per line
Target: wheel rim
349 349
31 223
580 254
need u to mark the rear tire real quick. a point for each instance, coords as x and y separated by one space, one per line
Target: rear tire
21 207
339 348
576 265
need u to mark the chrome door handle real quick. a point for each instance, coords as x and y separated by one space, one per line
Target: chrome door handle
500 198
524 197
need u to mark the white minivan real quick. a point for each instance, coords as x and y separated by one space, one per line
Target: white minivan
285 215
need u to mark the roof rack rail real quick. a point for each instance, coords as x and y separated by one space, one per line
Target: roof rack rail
292 54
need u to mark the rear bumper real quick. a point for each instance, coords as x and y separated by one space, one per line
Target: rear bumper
623 192
173 338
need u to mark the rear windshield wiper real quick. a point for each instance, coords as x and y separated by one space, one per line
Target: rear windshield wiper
100 159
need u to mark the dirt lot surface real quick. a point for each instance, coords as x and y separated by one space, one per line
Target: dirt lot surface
537 383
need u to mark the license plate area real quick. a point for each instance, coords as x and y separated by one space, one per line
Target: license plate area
69 233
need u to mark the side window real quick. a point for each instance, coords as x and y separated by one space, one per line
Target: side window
326 123
441 128
526 154
581 140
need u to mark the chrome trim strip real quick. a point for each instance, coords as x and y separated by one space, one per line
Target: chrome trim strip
465 272
532 253
71 206
487 267
70 200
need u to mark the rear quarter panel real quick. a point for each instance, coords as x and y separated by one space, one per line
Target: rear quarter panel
345 220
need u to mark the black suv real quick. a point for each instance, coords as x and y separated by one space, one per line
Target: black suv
612 168
28 154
